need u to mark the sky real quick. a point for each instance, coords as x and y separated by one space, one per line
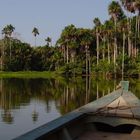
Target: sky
49 16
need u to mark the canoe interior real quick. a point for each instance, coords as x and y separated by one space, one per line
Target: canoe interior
92 128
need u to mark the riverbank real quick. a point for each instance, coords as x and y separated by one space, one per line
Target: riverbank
29 74
58 74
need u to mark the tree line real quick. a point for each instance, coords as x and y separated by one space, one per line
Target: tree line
111 47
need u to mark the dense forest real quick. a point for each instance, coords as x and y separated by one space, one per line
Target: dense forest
109 48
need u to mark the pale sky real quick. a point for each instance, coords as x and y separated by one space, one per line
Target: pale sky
49 16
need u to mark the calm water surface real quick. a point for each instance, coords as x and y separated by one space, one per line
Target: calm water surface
28 103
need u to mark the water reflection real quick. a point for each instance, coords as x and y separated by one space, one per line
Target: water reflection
7 116
37 101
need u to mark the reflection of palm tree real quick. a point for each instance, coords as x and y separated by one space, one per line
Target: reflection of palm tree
48 108
35 116
88 81
7 117
97 89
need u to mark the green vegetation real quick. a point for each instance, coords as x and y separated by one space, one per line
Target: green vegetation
29 74
110 48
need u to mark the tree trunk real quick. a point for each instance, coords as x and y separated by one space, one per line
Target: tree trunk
35 41
86 47
10 49
2 54
138 26
129 46
123 54
67 54
103 54
132 50
115 40
89 64
97 91
108 51
135 52
86 101
72 55
129 33
64 53
136 33
114 57
97 45
115 47
104 40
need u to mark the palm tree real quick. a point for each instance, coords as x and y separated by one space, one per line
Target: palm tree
61 44
7 31
35 33
108 27
123 29
48 40
11 30
85 40
116 13
137 9
97 23
68 36
105 42
2 52
130 6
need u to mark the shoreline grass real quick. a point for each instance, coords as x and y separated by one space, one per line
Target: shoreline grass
29 74
47 74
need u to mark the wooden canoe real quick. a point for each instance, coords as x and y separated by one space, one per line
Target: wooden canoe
112 117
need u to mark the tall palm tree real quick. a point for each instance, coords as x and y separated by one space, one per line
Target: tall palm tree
85 40
11 30
7 31
109 36
116 13
129 7
62 45
97 23
48 40
68 36
2 51
132 6
123 29
35 33
137 9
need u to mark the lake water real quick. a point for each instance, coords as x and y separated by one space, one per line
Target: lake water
28 103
